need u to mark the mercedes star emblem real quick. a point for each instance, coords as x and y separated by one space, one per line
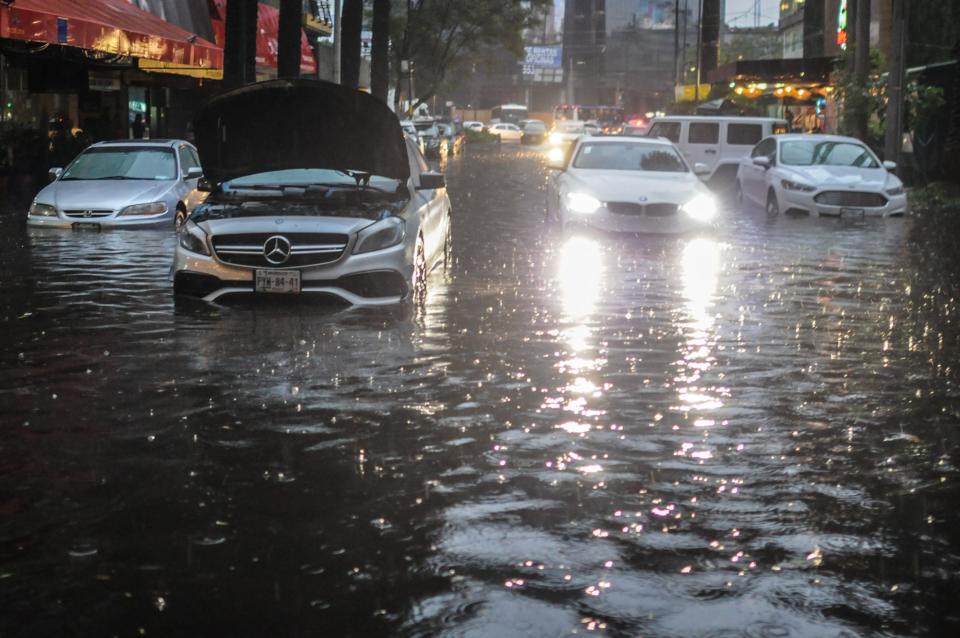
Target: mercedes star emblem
276 250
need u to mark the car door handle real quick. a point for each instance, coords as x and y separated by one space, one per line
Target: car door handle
711 151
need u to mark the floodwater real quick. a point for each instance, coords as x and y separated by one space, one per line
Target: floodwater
751 433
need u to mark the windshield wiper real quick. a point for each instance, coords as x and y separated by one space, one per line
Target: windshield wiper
86 179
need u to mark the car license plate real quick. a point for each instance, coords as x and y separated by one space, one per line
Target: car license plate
86 226
279 281
851 211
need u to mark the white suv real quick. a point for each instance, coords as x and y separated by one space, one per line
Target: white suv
717 142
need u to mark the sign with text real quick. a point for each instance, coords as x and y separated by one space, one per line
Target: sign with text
542 57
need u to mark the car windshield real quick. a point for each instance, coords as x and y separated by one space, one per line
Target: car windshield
810 153
535 126
629 156
123 163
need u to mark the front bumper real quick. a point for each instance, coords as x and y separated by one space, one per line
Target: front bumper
798 202
111 221
606 221
378 278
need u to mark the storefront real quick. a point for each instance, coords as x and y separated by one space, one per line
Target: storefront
798 90
73 73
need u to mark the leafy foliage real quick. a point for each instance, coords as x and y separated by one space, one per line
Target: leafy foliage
442 37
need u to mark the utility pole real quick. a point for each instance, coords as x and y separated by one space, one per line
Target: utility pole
696 89
289 33
896 78
676 45
861 66
336 41
240 48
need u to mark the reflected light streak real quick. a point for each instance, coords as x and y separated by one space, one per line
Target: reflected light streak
700 264
581 267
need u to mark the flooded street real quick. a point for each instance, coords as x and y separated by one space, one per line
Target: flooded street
746 433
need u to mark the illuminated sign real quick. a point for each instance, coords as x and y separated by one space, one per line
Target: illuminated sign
842 25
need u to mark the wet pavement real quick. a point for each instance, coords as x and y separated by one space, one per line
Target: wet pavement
751 433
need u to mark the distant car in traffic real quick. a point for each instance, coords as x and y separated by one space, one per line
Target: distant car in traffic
411 130
506 132
473 125
533 132
453 136
629 185
433 145
566 132
318 193
819 174
125 183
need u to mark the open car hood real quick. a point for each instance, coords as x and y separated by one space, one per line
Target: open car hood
281 124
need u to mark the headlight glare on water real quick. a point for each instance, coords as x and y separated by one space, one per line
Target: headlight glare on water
702 208
582 203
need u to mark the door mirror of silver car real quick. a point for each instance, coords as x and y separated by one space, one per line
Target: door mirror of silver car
430 181
701 169
55 174
890 166
194 172
762 162
204 185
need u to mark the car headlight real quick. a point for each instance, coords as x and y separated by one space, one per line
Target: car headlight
556 138
382 234
582 203
154 208
896 190
702 208
797 186
42 210
193 239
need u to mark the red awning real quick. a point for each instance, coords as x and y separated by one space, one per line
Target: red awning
110 26
268 29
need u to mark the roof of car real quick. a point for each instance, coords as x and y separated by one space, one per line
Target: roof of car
801 137
635 139
150 142
715 118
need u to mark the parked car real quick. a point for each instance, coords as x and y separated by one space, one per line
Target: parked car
720 142
318 193
473 125
454 137
632 185
506 131
821 174
533 132
127 183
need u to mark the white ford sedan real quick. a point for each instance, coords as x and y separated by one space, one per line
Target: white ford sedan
629 185
820 174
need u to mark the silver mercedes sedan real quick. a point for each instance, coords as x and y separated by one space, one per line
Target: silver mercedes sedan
126 183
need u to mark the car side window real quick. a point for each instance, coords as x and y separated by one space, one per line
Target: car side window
703 133
744 134
416 158
767 148
187 160
669 130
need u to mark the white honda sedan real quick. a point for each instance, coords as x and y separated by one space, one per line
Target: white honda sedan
629 185
506 132
820 174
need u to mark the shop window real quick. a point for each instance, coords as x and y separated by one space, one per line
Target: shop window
704 133
744 134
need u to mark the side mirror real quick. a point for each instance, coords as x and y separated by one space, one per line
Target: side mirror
890 166
762 162
204 185
701 169
54 174
431 181
194 172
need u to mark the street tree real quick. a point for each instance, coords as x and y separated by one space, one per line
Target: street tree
442 37
351 27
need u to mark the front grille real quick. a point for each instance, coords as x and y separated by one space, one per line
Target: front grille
650 210
88 213
306 249
851 198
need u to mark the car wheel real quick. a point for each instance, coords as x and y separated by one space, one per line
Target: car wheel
418 286
180 217
773 207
